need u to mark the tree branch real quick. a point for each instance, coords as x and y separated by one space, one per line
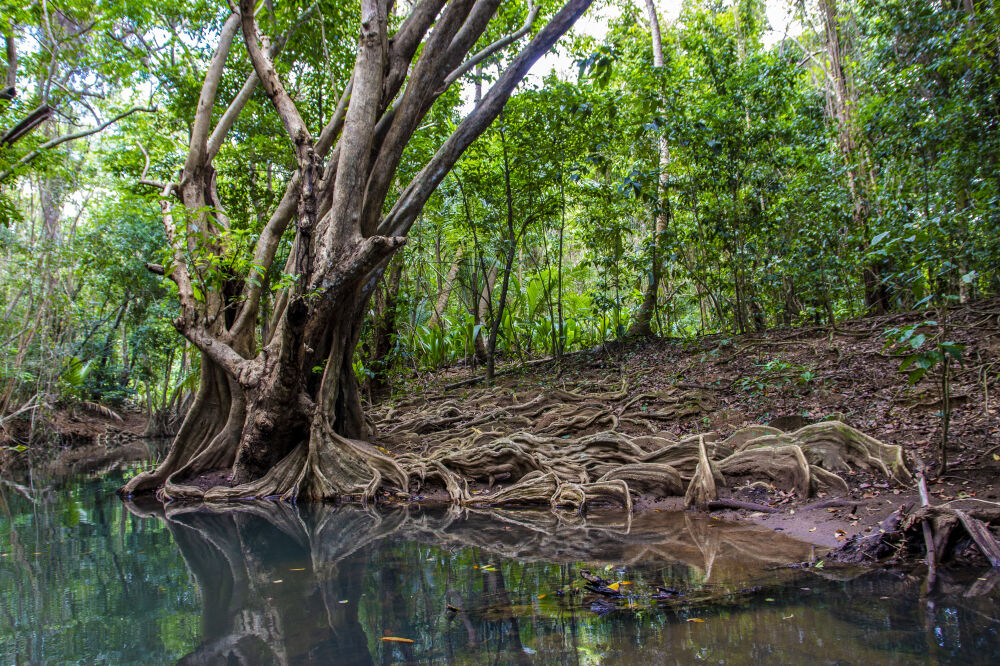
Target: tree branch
241 369
533 10
10 42
69 137
405 211
356 139
394 130
267 246
206 100
275 90
235 107
30 122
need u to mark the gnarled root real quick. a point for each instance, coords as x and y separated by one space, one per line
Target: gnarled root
527 447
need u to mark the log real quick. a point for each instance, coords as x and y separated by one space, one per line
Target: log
719 504
827 503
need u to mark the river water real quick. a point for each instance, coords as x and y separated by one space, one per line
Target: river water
86 578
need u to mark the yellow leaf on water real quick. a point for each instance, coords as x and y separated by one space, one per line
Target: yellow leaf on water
812 529
396 639
625 582
613 586
787 617
302 569
695 619
542 596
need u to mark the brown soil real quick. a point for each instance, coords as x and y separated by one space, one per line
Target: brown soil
787 378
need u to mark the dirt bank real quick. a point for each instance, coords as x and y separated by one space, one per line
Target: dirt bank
786 378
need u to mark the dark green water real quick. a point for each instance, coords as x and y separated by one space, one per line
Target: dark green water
85 578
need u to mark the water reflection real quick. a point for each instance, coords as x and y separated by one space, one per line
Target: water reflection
286 584
274 583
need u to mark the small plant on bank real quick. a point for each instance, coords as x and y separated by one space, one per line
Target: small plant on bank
775 374
922 353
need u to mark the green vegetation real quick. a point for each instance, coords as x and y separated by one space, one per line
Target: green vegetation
697 171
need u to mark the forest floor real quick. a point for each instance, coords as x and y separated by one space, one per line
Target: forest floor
676 388
785 378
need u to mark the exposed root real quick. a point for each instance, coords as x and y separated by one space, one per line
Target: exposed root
702 489
557 448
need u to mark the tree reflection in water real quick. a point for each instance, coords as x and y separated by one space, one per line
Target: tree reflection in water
298 584
85 579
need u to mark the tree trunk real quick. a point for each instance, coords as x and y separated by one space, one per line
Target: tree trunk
642 323
483 316
446 289
842 100
282 417
386 328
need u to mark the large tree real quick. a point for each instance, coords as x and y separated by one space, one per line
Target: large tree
281 413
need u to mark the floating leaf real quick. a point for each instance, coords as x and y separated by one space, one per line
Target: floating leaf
787 617
695 619
614 586
396 639
542 596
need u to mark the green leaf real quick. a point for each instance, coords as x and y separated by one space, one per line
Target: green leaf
879 238
908 361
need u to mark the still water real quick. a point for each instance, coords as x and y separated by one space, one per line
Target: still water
85 578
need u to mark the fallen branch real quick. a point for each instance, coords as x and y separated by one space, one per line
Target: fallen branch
19 488
521 366
981 535
720 504
829 503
